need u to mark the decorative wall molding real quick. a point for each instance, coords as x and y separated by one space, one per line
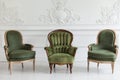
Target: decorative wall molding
59 14
8 16
110 15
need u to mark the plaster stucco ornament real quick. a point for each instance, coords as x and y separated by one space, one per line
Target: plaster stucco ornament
59 14
110 15
8 16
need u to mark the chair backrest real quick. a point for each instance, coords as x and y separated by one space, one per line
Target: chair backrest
106 39
13 39
60 40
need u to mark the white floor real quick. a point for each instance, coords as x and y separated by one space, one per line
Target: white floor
42 72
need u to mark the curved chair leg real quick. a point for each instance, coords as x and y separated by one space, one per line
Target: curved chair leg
34 65
50 65
88 65
71 65
112 65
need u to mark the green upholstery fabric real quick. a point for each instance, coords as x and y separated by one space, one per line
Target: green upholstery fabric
105 50
60 38
72 50
49 51
17 51
61 58
102 55
14 40
27 46
106 40
18 55
60 49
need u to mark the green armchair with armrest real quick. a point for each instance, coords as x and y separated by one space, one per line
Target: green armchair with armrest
16 51
105 51
60 50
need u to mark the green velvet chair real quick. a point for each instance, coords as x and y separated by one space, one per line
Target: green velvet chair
60 50
16 51
105 51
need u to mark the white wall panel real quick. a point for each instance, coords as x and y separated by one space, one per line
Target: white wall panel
37 12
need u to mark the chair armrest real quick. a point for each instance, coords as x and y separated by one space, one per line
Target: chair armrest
49 51
116 49
27 46
72 51
90 46
93 46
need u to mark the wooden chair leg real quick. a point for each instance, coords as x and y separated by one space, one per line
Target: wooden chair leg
34 65
71 65
112 66
22 65
50 65
67 66
10 67
54 67
98 65
88 65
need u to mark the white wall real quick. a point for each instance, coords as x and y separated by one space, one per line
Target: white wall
37 36
36 18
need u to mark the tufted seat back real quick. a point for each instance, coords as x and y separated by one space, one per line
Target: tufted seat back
60 40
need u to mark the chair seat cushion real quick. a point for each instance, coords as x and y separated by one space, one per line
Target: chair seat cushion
102 55
61 58
19 55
